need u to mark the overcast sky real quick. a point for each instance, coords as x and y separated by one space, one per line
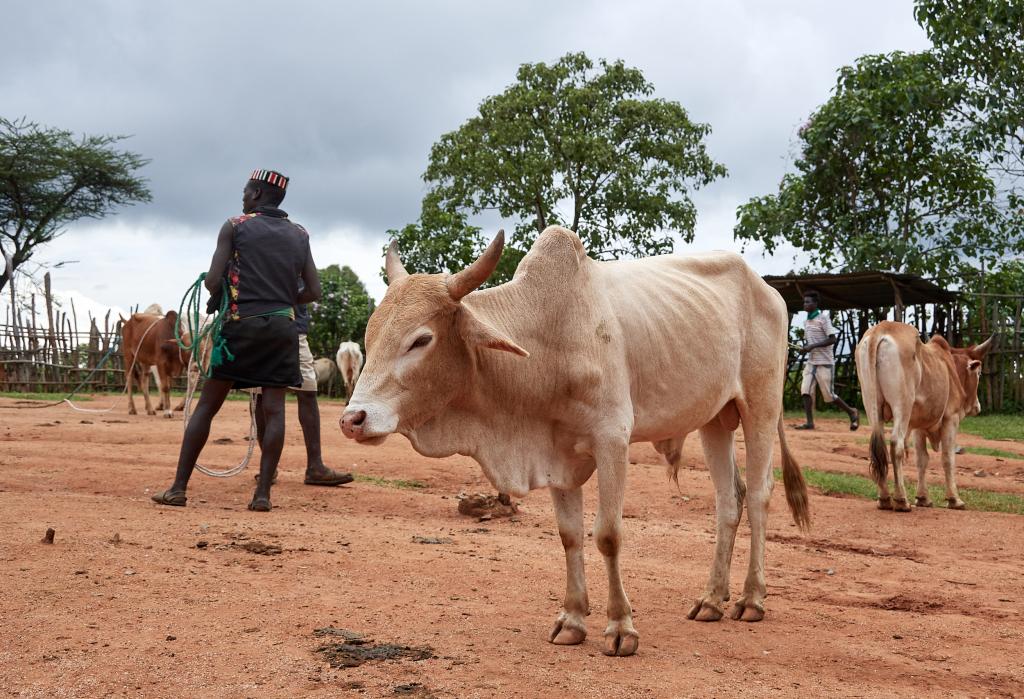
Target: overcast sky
347 99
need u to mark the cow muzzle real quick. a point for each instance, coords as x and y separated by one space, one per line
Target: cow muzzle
352 422
368 424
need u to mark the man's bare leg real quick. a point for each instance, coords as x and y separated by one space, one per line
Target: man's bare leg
198 431
272 403
309 418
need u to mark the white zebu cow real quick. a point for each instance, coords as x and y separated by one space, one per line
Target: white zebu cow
548 378
325 371
350 363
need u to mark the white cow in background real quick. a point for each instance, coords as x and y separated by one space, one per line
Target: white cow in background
325 373
350 363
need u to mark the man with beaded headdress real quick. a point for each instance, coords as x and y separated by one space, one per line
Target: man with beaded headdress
259 256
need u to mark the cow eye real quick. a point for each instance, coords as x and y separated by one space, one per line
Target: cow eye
421 341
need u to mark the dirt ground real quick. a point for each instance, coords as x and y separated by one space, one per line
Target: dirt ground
133 599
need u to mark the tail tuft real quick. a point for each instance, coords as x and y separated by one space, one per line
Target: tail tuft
879 458
796 486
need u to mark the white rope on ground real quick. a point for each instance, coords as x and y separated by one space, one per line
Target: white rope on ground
124 392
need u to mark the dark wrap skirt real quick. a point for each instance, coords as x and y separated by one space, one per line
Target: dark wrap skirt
266 350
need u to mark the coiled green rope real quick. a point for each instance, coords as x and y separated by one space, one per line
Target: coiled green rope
190 309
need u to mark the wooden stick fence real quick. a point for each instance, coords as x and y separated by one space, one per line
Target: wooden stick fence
56 357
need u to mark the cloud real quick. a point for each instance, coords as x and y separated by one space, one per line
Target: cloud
347 98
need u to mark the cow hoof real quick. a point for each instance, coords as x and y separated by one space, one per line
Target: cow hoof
620 639
568 630
133 411
705 610
169 415
901 505
885 503
922 502
150 412
747 611
955 504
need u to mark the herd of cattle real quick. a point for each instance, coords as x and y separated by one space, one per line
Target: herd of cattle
548 378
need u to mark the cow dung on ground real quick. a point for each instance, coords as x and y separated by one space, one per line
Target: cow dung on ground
484 506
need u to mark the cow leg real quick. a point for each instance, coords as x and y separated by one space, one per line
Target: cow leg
921 452
898 455
193 384
620 638
570 627
948 466
165 394
720 456
144 381
759 437
156 379
130 378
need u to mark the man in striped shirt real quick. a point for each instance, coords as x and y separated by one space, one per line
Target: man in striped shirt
819 339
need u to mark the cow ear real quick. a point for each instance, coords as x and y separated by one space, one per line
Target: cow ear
974 365
477 333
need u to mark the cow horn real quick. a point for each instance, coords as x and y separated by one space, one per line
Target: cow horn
982 349
393 264
461 283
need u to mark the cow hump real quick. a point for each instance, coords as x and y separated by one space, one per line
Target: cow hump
557 255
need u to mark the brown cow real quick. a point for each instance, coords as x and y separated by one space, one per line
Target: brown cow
148 341
924 388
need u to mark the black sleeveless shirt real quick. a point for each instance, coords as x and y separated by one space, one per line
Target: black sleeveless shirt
268 256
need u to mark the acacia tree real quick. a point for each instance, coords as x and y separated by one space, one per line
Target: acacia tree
570 143
341 313
49 179
882 180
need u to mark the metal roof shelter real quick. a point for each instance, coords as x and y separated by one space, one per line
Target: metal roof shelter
860 290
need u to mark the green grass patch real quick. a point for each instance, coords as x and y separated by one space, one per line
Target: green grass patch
38 396
987 451
981 451
399 483
992 426
995 426
831 483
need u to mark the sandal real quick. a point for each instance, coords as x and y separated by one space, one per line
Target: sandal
260 504
327 477
175 499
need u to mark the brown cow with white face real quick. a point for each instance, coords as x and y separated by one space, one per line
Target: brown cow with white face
926 389
548 378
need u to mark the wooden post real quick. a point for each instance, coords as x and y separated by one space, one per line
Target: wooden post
1018 393
996 361
899 309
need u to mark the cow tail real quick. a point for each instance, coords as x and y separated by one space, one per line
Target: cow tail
796 486
879 459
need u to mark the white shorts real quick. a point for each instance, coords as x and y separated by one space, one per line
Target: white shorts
820 374
306 366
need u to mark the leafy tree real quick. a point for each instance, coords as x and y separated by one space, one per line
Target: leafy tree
49 179
570 143
882 181
981 44
341 313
